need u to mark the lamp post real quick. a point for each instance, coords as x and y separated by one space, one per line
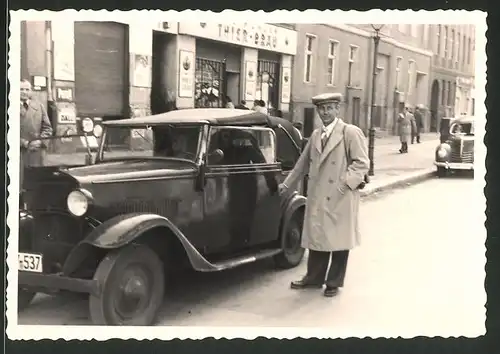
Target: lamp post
371 132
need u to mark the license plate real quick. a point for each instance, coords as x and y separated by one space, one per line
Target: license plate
30 262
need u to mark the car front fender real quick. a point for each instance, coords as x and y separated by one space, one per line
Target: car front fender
293 204
26 227
124 229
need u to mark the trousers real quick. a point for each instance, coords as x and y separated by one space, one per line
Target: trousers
318 271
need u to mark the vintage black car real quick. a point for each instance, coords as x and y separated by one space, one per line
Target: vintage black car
194 187
456 150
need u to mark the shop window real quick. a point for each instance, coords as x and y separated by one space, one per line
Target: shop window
209 83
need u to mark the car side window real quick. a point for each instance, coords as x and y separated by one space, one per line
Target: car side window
242 146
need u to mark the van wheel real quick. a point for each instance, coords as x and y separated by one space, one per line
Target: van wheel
132 286
292 253
24 298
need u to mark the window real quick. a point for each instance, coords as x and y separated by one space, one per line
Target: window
353 59
469 49
446 42
411 75
308 57
425 30
413 30
242 146
332 61
464 50
452 45
399 60
286 152
459 47
438 49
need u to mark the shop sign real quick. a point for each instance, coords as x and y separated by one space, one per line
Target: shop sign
63 36
285 85
186 73
259 36
64 94
66 116
250 70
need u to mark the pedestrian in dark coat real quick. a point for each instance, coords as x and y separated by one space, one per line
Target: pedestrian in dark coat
404 130
34 123
419 122
336 161
242 105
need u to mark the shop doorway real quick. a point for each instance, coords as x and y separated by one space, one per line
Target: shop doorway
434 106
268 84
210 83
159 99
233 86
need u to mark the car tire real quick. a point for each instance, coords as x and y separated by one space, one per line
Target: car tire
134 273
292 253
24 298
442 172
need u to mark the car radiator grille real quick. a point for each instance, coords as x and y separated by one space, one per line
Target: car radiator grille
462 151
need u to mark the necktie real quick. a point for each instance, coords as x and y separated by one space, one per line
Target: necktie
324 138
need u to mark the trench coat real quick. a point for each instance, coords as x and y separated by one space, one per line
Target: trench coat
419 122
34 123
332 207
404 127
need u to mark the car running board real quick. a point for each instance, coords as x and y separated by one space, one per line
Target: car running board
241 260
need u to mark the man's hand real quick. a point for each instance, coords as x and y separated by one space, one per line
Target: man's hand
282 188
35 144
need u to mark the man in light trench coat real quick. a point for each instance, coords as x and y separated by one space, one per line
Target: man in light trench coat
336 161
34 123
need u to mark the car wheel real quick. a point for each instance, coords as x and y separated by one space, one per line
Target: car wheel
132 283
292 251
442 172
24 298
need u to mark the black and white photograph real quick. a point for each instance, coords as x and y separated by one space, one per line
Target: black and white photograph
314 174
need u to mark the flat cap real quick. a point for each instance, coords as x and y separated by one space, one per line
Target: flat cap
325 98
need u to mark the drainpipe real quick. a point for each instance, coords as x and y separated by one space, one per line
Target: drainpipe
48 59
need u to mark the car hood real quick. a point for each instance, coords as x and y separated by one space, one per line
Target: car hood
118 171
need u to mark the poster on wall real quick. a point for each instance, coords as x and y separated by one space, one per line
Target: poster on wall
285 85
142 71
63 53
250 70
186 73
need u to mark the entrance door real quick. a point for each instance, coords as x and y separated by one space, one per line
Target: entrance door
356 108
268 84
434 106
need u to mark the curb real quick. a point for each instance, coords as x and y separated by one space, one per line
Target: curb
412 178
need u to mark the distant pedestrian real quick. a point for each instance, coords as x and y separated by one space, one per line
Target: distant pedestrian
242 105
404 129
419 121
34 123
259 106
229 102
336 160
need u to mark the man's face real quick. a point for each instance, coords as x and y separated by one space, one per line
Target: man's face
25 90
328 112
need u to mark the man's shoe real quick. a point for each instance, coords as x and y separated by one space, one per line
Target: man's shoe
331 292
304 284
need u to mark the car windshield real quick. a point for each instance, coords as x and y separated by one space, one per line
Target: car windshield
168 141
463 128
62 150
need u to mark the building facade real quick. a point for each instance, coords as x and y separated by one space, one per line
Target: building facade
453 71
110 70
339 58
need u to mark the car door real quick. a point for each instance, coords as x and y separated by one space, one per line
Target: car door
287 154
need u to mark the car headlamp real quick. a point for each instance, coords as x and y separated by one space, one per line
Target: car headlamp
87 125
442 152
78 203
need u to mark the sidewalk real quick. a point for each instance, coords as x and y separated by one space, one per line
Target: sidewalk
394 169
